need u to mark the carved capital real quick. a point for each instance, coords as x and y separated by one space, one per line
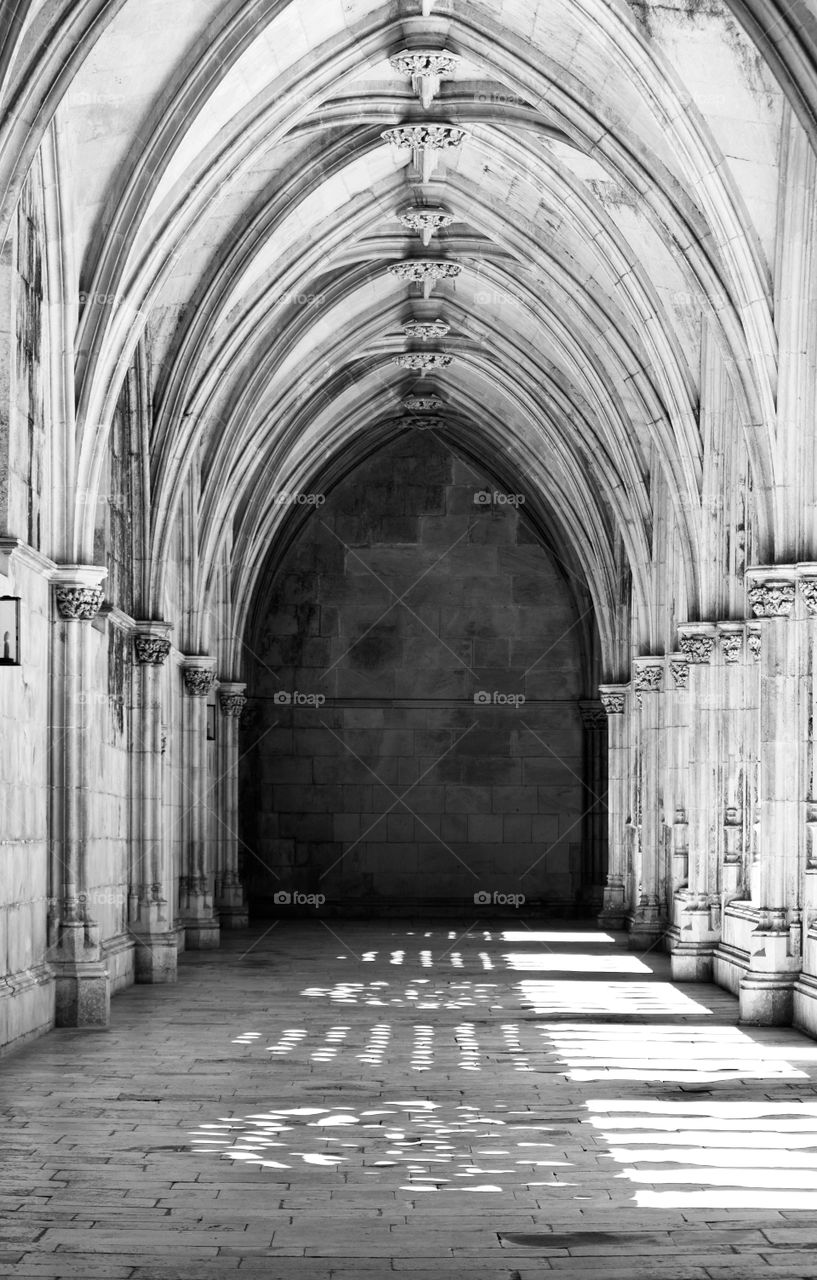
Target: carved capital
697 648
731 644
679 670
151 651
808 590
613 699
232 698
232 704
80 604
648 677
754 641
199 676
770 597
594 715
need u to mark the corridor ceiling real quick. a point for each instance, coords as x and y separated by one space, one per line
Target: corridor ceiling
225 194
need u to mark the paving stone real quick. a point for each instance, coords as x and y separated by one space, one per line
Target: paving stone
459 1066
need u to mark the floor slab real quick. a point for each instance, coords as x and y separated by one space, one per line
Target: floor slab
319 1099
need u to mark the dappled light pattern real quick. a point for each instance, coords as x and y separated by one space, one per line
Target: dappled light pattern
714 1154
504 1078
428 1146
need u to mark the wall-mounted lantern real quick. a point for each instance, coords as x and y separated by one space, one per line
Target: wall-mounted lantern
9 631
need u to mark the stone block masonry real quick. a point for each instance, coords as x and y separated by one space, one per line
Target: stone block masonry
393 789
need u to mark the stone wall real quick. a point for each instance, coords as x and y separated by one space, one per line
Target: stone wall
403 603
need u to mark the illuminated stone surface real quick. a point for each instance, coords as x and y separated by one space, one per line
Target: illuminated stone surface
423 1100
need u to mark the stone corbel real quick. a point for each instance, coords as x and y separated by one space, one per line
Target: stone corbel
613 698
696 640
78 591
199 675
770 591
730 636
232 698
648 677
151 643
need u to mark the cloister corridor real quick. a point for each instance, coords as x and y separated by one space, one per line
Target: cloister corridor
344 1099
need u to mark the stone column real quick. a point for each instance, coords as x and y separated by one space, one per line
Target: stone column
676 725
82 982
767 988
151 923
615 907
231 902
699 917
646 921
734 798
594 823
196 913
805 991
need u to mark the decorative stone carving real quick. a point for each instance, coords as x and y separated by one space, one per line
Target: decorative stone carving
679 670
232 704
80 604
425 137
594 715
697 649
423 362
808 590
426 222
613 703
151 650
425 271
731 646
755 643
426 330
425 422
426 68
773 598
648 678
423 404
198 681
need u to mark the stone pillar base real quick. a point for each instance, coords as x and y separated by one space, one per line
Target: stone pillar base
231 903
804 1014
197 917
692 958
234 917
613 914
81 979
156 957
767 988
645 928
82 996
201 934
767 999
690 963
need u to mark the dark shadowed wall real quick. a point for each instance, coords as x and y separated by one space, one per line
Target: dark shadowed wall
400 602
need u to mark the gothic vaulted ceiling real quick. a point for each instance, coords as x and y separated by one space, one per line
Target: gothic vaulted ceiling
587 194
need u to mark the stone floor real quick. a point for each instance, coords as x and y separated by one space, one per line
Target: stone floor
368 1100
